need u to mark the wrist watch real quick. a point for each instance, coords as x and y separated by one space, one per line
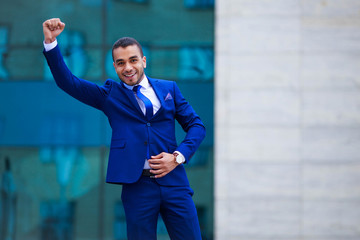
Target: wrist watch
179 158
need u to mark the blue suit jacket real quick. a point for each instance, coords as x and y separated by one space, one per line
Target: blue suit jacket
131 132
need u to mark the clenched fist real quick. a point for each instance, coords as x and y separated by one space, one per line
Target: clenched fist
52 28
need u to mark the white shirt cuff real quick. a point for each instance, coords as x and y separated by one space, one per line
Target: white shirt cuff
180 154
50 46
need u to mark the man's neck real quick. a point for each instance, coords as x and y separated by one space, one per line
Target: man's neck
142 82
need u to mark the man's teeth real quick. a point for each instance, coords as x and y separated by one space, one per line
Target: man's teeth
130 75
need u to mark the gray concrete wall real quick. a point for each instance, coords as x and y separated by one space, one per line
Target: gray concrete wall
287 99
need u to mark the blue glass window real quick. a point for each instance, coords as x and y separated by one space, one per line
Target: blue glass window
199 3
120 222
202 156
135 1
3 50
196 63
57 220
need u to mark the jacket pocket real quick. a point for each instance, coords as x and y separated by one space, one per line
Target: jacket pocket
118 143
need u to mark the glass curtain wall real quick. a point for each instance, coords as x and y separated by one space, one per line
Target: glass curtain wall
54 149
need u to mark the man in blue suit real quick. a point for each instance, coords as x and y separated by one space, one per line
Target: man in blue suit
144 156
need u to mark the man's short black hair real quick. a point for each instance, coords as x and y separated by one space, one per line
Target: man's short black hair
124 42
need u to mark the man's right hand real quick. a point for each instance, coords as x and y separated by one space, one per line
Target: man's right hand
52 28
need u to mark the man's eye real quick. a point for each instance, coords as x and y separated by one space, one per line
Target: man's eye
134 60
120 63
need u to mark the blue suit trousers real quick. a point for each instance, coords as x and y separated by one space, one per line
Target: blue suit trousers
145 199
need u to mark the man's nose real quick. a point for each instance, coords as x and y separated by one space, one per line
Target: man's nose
128 67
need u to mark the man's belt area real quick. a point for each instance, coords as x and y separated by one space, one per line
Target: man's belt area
147 173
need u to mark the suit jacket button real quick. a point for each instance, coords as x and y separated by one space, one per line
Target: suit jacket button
145 143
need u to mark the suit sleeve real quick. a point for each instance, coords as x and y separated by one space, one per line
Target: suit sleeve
191 124
84 91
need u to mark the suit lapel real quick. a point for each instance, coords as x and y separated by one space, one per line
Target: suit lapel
160 93
131 96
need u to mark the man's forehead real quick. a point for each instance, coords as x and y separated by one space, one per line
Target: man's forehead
121 53
131 49
120 58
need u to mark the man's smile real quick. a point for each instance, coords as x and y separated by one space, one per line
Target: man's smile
130 75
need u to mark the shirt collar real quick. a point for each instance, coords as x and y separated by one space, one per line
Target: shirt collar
144 83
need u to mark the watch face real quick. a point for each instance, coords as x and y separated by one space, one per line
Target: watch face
179 159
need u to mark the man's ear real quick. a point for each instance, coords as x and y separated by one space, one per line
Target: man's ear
144 61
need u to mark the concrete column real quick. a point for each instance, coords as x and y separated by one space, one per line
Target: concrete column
287 119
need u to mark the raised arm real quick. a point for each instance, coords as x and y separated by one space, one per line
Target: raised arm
84 91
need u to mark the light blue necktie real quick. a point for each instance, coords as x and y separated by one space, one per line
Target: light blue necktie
147 102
